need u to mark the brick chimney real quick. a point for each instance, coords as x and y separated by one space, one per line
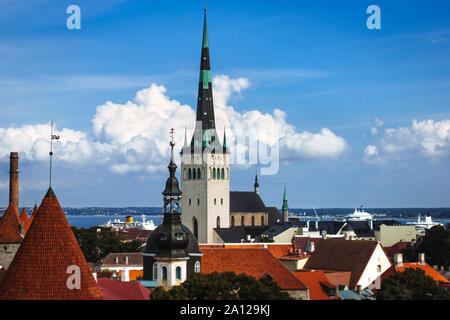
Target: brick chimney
14 179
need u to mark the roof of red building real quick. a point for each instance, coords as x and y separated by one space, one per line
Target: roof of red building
40 269
339 278
396 248
429 271
2 274
342 255
10 226
118 290
35 210
317 282
277 250
24 218
120 259
136 234
255 262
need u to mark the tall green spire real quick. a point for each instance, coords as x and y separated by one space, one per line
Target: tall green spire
285 200
224 138
205 33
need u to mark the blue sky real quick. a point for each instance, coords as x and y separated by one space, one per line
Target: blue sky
315 61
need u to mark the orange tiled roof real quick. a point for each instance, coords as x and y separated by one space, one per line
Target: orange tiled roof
429 271
26 221
134 274
255 262
277 250
35 210
118 290
339 278
316 281
39 269
10 226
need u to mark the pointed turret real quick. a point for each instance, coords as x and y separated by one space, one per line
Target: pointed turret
205 129
26 221
49 264
10 226
285 207
256 185
35 210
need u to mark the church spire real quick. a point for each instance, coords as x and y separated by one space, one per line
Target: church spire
172 193
256 185
285 207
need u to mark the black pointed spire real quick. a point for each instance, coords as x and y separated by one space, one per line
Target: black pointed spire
172 187
50 193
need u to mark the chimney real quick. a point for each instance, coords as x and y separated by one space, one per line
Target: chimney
358 289
125 275
14 179
312 246
249 238
117 260
398 259
126 260
422 258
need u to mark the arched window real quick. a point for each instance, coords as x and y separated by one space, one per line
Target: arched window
178 273
195 227
164 273
197 267
198 202
190 201
214 173
189 174
253 220
199 175
242 220
218 222
155 271
221 201
222 174
232 221
215 201
262 220
194 174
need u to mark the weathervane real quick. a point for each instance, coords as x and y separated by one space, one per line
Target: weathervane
52 137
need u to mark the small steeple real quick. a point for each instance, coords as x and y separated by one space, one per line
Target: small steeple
285 207
256 185
172 193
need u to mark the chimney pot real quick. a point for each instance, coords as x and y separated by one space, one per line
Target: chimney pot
398 259
422 258
14 179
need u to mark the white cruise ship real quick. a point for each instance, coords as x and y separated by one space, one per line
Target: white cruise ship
422 225
359 215
130 224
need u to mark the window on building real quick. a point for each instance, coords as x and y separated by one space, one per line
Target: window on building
164 273
194 174
195 227
155 271
214 173
242 220
198 202
178 273
262 220
222 174
190 202
221 201
197 267
218 222
199 174
189 174
232 221
253 220
379 268
215 201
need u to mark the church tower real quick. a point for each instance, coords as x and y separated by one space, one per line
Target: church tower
205 164
285 207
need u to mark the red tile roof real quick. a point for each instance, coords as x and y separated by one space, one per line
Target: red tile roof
342 255
118 290
40 267
2 274
134 274
26 221
317 283
277 250
35 210
255 262
134 259
429 271
396 248
339 278
10 226
136 234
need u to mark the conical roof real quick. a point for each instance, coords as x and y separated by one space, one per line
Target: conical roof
10 226
26 221
35 210
41 268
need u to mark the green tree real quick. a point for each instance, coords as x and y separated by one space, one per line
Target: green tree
411 284
222 286
95 244
435 245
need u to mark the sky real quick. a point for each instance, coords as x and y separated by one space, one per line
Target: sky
359 116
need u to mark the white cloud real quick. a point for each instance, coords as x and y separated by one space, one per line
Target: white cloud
428 138
133 137
373 131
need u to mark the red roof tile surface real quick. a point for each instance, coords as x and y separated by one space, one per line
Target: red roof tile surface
35 210
255 262
24 218
339 278
429 271
10 226
277 250
118 290
317 283
39 270
136 234
396 248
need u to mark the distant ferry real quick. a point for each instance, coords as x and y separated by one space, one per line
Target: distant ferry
359 215
422 225
130 224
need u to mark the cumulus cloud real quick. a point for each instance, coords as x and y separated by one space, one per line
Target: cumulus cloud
377 124
133 137
428 138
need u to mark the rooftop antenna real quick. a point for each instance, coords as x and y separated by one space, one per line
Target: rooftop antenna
52 137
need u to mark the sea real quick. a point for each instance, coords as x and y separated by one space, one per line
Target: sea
87 221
